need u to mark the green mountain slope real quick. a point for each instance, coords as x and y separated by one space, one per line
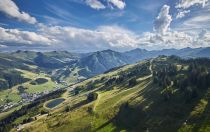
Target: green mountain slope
9 76
100 62
162 94
73 67
18 76
53 59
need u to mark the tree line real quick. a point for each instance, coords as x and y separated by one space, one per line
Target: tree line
189 82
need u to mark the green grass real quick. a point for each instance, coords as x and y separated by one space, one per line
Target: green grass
50 85
13 94
200 116
104 108
82 120
39 88
5 114
118 96
122 108
9 95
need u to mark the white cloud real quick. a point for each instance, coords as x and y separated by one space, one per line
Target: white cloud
84 39
118 3
10 8
115 37
103 37
202 39
182 14
164 38
195 23
112 37
3 46
184 4
171 39
22 37
95 4
197 20
163 20
202 34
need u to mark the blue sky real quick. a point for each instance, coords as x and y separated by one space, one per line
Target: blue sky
91 25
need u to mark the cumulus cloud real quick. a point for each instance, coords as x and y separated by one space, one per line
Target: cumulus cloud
164 38
115 37
98 5
118 3
10 36
182 14
202 34
3 46
10 8
95 4
202 39
85 39
189 3
163 20
173 39
183 5
103 37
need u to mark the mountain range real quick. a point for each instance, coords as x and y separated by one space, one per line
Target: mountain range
74 67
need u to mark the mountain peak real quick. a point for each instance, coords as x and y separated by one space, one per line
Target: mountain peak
108 50
139 49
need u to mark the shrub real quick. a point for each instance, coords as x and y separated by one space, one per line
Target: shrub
41 80
90 110
3 84
92 96
21 89
27 120
33 83
67 108
42 112
132 82
77 90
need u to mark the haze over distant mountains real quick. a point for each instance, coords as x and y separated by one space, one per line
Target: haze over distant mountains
139 54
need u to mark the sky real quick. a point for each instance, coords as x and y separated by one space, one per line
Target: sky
92 25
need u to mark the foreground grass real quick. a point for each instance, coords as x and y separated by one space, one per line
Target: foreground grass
83 120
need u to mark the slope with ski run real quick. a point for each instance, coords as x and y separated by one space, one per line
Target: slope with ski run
105 104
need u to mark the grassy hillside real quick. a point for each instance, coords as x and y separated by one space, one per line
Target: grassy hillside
13 94
72 67
10 77
122 106
154 95
16 72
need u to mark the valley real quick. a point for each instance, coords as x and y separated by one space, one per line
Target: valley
155 94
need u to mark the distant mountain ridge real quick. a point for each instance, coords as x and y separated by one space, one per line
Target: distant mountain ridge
140 54
53 59
64 65
102 61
